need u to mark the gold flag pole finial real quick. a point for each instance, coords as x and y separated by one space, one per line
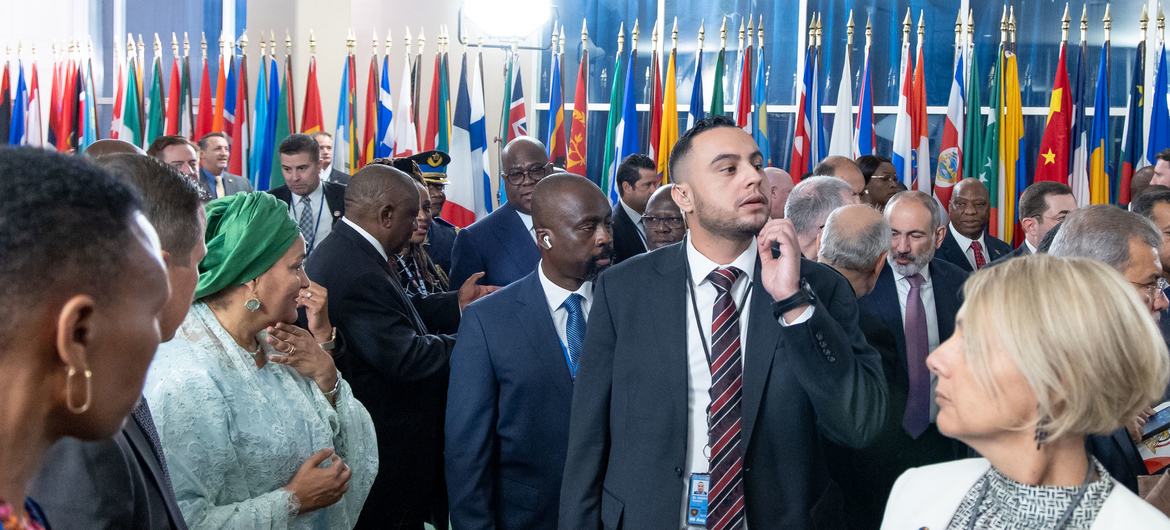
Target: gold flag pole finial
1012 25
312 42
263 46
1161 23
971 27
272 43
202 43
389 41
157 45
141 49
1065 22
561 49
702 32
634 36
584 33
820 30
131 47
654 38
760 34
621 40
723 34
242 43
751 31
921 25
174 44
849 32
1107 20
374 42
1084 21
868 31
287 42
906 26
740 34
1003 26
222 44
350 41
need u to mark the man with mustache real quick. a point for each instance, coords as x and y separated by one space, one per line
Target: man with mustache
215 150
718 362
664 221
914 301
967 243
510 388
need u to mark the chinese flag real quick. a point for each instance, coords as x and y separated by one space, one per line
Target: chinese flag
1052 162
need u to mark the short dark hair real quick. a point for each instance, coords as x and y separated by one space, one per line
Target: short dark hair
300 143
1164 155
629 171
162 142
869 165
1033 201
683 146
203 140
170 201
65 224
1144 204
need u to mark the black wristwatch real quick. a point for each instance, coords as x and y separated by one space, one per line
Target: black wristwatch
802 297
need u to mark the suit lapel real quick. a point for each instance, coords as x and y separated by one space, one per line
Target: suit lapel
670 294
335 201
958 256
946 301
145 450
515 239
532 307
885 298
763 334
360 242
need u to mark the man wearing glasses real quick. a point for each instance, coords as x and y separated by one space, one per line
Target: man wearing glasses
503 244
1043 205
663 219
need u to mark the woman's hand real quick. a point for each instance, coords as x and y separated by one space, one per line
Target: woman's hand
317 487
315 300
299 350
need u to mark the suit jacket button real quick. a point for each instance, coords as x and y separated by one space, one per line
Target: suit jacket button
832 359
747 469
678 471
819 336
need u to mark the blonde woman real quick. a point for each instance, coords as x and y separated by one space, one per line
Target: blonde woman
1046 350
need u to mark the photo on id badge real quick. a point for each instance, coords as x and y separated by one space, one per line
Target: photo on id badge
697 500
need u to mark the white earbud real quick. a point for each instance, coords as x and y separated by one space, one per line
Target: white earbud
547 242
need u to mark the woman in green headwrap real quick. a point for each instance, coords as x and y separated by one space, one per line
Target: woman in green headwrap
257 426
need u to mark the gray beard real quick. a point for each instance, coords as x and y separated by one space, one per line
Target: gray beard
910 269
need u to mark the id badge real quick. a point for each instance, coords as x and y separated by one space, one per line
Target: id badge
700 485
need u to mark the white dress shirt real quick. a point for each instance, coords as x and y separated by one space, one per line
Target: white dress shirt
636 218
556 295
318 210
965 244
1031 247
527 220
698 369
927 294
326 172
366 235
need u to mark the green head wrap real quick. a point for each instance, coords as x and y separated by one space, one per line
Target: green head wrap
246 234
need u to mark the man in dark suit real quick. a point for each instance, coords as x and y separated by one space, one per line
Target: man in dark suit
510 389
327 172
315 205
395 367
215 151
637 178
441 234
782 367
503 245
966 244
910 311
1043 205
122 482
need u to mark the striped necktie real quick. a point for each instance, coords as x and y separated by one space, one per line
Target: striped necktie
726 500
574 331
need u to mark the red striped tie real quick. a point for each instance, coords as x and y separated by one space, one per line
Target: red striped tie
726 501
977 249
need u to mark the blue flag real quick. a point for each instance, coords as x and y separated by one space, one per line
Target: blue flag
19 106
261 121
627 128
696 112
384 146
760 116
1159 135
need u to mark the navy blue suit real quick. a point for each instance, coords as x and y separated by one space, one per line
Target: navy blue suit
950 252
508 407
498 245
440 239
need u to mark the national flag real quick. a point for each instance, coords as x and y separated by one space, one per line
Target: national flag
186 119
57 137
405 132
341 137
517 113
119 93
432 128
311 117
19 109
283 123
609 165
6 102
554 131
464 188
973 136
1158 137
259 124
240 123
174 99
204 119
841 142
370 135
743 94
224 98
1131 136
1052 160
627 128
819 142
802 151
505 107
156 105
34 134
904 139
864 137
478 139
130 125
920 130
696 113
575 158
668 131
443 133
1079 165
231 91
1013 174
385 137
654 99
1100 139
87 112
416 84
950 153
62 130
989 164
717 105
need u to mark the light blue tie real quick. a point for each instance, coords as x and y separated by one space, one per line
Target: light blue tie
574 331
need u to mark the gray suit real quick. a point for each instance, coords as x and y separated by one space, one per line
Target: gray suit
114 483
232 184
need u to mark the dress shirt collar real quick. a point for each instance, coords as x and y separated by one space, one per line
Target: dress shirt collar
555 295
965 242
701 265
925 272
326 173
369 238
1031 247
526 219
634 215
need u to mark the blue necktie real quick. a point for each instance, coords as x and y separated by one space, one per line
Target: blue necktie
574 331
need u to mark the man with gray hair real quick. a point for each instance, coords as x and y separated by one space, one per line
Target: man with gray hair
809 205
855 243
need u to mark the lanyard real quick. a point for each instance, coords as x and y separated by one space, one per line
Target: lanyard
316 224
695 308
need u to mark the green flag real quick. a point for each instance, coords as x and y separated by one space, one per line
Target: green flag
972 136
717 107
131 129
615 115
989 154
157 106
283 130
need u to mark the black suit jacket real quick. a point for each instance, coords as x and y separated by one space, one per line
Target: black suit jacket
334 198
950 252
628 429
627 241
395 368
106 484
338 177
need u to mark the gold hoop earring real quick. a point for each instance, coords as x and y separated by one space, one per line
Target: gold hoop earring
69 391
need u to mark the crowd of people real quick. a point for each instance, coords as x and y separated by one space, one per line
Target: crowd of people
727 350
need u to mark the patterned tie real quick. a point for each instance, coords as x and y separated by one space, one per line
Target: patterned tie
306 219
917 415
574 331
142 415
220 190
977 249
726 498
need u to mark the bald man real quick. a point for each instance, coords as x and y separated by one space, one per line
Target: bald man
967 243
845 169
108 146
396 368
511 387
665 224
855 242
503 244
780 185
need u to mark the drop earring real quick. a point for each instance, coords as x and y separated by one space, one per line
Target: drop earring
252 304
69 390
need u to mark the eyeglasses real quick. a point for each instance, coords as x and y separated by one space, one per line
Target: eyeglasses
674 223
1152 290
517 177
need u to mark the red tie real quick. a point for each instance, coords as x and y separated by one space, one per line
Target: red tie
726 501
980 261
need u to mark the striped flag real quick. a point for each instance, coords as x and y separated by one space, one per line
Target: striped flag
1079 165
802 156
34 134
405 133
119 93
156 104
480 164
717 106
241 125
463 190
385 118
627 129
517 113
609 166
369 137
1100 139
990 164
865 139
283 122
841 143
950 154
817 120
743 94
919 130
1131 136
654 100
668 130
903 155
130 124
431 133
554 131
1158 137
696 110
6 101
19 108
342 140
223 97
1013 175
204 119
760 117
87 113
973 136
174 99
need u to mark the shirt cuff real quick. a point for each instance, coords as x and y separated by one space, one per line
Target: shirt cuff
804 317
